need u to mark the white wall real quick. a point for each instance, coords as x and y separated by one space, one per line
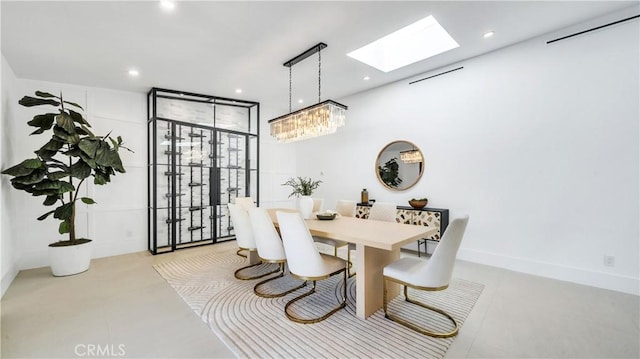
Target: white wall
538 143
117 223
277 164
9 254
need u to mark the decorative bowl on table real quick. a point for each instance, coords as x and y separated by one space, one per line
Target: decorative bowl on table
326 216
418 203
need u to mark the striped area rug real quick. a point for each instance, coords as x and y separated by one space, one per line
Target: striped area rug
255 327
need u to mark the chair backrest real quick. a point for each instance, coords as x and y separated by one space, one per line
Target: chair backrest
439 269
268 241
242 226
346 208
245 202
383 211
318 203
303 257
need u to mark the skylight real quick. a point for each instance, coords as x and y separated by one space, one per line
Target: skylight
418 41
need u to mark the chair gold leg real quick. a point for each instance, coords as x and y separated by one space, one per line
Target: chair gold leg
414 326
343 304
275 295
241 277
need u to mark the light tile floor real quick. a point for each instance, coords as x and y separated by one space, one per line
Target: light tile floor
122 307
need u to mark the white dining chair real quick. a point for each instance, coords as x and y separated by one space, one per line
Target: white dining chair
429 275
246 203
346 208
318 204
383 211
306 263
244 238
270 249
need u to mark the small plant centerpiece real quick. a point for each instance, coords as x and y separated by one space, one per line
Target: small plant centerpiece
418 203
60 167
303 187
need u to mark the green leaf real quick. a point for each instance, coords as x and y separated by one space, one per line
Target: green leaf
87 200
74 104
100 178
45 215
77 117
34 177
29 101
64 136
43 121
89 146
64 212
46 155
80 170
52 145
32 163
50 201
87 131
55 187
65 121
21 169
58 175
64 227
45 94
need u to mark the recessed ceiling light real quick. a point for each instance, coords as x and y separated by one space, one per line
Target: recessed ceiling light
238 90
168 5
134 73
300 100
488 34
366 78
418 41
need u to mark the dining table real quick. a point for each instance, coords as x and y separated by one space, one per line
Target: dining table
377 243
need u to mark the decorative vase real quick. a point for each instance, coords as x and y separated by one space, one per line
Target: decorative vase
69 260
305 206
418 204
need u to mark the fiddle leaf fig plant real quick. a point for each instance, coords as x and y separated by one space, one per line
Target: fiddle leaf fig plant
60 167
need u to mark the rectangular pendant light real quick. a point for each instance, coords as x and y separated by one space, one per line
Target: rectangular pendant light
317 120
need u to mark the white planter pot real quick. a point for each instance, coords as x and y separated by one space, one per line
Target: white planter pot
305 206
70 260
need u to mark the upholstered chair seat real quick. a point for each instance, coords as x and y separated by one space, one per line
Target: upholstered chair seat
305 262
429 275
244 238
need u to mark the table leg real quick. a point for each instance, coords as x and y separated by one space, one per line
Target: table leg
369 289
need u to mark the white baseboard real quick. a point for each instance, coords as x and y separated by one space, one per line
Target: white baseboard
8 278
603 280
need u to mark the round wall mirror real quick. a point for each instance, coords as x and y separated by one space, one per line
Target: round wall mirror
400 165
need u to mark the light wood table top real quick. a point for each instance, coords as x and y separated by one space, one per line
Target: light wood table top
377 244
377 234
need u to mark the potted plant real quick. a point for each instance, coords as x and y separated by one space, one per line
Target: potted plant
303 187
60 167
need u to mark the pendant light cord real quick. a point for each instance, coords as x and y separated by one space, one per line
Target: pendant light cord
290 88
319 71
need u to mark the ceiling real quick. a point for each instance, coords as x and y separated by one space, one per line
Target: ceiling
216 47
